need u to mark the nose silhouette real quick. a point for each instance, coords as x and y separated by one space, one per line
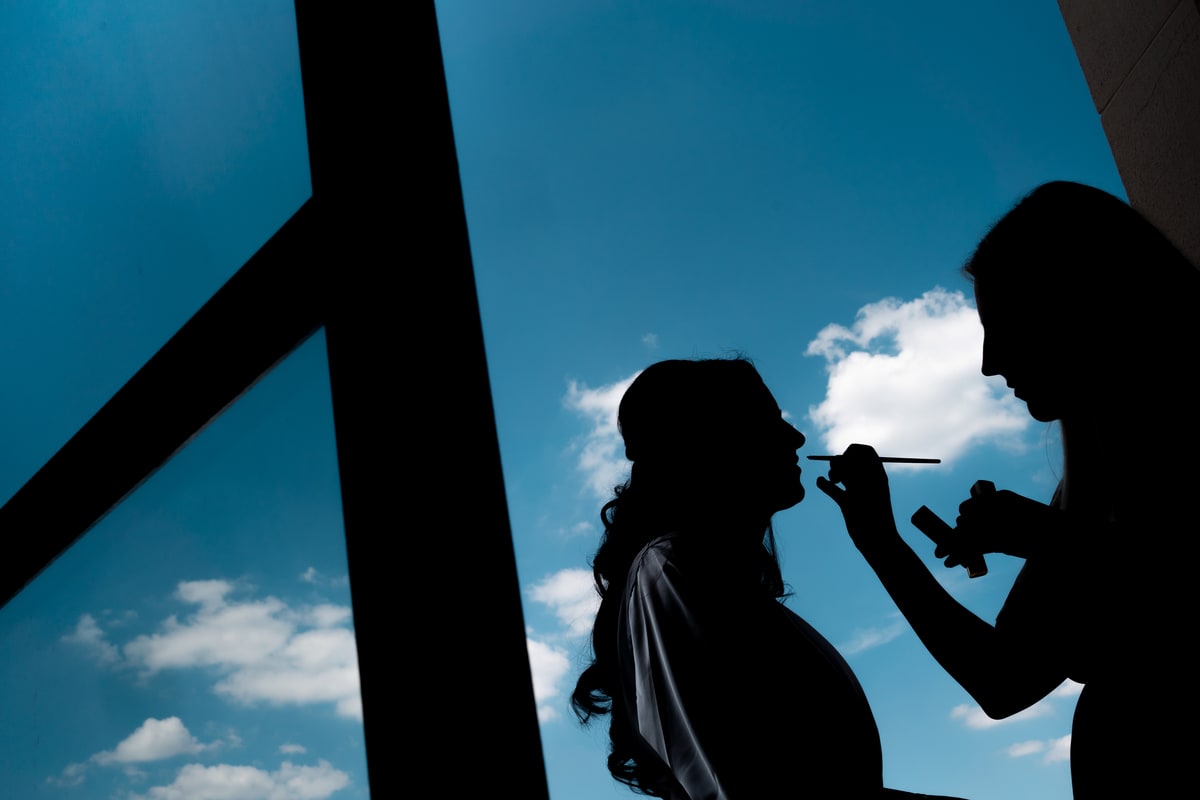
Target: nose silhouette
795 435
988 365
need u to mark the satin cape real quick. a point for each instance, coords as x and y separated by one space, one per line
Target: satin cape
731 694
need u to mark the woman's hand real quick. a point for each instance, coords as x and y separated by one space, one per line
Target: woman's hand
863 496
1002 678
1000 522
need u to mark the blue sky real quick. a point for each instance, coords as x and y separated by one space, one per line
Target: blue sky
200 637
795 181
198 642
799 182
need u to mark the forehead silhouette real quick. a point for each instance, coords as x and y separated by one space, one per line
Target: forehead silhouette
677 406
1079 250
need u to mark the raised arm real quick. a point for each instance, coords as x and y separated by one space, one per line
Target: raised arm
1005 670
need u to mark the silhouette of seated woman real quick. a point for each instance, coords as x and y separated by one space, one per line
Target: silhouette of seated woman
1090 315
716 690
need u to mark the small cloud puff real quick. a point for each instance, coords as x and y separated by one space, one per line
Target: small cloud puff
1020 749
571 595
1058 750
89 636
1053 751
873 637
601 454
548 666
289 782
154 740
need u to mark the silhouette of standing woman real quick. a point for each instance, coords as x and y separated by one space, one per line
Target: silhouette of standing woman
1090 315
716 690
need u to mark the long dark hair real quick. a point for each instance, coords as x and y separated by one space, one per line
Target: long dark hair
661 418
1090 254
1128 296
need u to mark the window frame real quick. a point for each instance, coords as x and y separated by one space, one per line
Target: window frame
379 249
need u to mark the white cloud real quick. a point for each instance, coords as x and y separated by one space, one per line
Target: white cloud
218 635
154 740
548 665
571 594
313 667
601 453
1051 750
351 707
313 575
1021 749
125 618
231 782
289 749
973 716
327 615
905 379
72 775
260 649
581 529
650 340
873 637
90 637
207 594
1059 750
1054 750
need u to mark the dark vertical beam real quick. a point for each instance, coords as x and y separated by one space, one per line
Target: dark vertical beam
433 576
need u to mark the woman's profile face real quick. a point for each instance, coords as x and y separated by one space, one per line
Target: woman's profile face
1025 340
763 461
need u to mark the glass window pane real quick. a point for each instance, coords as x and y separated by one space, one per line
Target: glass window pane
200 636
146 151
799 182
